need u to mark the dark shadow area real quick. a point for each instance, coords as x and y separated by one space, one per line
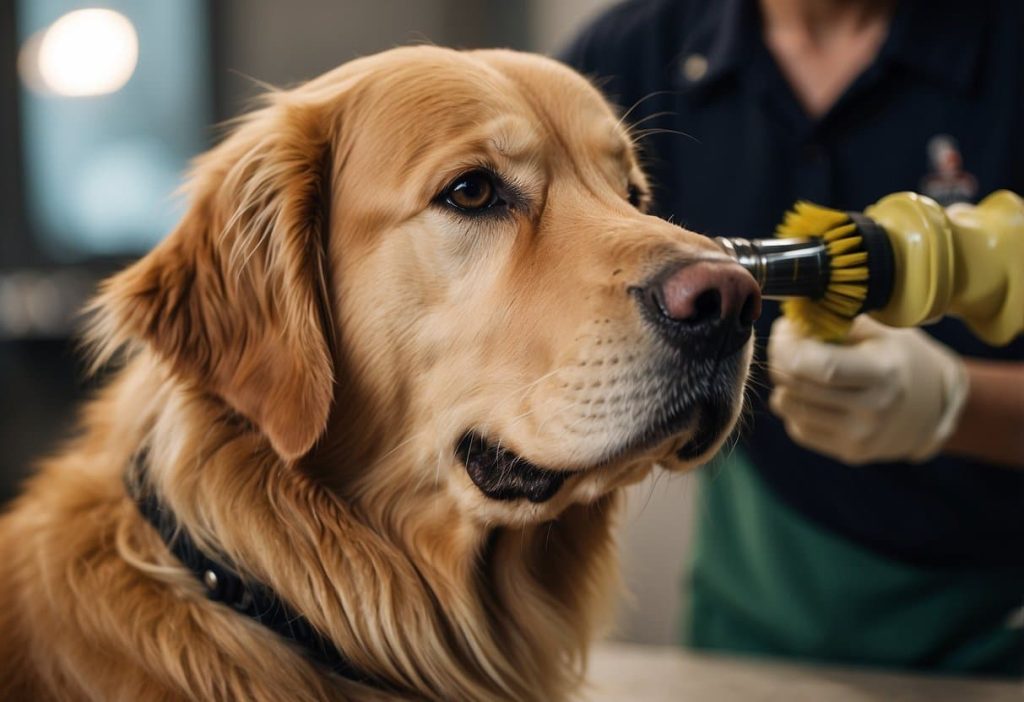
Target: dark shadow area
42 383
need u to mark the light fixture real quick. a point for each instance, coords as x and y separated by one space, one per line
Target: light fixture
84 53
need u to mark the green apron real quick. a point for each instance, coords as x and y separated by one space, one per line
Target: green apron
766 581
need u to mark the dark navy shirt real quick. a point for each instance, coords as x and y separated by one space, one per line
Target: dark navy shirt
940 111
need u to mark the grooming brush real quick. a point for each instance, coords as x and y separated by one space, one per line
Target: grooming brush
905 260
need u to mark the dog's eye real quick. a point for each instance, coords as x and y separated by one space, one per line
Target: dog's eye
472 192
634 195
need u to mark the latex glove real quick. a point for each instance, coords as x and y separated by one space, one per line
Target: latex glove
885 394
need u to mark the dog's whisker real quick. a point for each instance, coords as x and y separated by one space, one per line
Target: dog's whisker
645 98
644 133
654 115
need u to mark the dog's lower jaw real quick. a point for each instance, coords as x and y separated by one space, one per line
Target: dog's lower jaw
502 475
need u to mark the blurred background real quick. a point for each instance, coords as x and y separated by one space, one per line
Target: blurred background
102 104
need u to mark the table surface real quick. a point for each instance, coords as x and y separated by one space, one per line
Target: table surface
626 672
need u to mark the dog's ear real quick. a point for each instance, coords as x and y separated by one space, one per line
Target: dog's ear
236 298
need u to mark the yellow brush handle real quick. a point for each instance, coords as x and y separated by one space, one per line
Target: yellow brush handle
966 261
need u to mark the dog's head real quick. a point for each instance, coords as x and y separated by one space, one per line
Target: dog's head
443 257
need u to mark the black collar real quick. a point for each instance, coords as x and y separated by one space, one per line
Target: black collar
222 584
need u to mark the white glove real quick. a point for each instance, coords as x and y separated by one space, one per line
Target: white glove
886 394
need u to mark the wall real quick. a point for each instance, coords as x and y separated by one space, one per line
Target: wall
553 23
284 42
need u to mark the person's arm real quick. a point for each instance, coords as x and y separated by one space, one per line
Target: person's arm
894 394
992 422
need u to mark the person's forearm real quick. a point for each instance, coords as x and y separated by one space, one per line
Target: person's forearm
992 424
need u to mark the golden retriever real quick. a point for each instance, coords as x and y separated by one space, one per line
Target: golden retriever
411 338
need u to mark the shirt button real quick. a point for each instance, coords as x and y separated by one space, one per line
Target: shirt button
694 67
1015 620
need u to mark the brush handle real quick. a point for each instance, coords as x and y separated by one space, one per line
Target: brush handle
966 261
783 268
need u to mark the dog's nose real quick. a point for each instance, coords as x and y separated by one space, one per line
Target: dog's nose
705 307
707 291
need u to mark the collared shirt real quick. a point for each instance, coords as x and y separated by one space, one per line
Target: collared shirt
940 111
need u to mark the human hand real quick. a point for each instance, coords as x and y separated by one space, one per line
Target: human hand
885 394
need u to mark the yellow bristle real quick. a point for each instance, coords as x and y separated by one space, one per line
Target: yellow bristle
850 260
839 232
858 292
841 246
807 219
845 307
829 317
849 275
832 295
814 320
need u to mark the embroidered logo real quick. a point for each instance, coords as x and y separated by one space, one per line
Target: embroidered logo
947 182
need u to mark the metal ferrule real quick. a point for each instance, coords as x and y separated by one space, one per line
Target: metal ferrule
782 267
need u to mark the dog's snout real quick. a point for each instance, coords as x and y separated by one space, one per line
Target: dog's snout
708 290
701 303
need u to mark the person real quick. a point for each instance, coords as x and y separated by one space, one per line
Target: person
915 557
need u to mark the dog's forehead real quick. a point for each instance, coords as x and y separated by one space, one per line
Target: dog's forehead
429 96
564 100
429 85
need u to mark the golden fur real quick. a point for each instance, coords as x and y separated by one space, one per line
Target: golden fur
300 356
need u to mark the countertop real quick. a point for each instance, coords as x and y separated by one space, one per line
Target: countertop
632 673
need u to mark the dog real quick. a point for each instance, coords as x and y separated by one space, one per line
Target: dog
387 378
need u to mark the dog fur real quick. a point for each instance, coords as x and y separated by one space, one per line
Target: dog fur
300 356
